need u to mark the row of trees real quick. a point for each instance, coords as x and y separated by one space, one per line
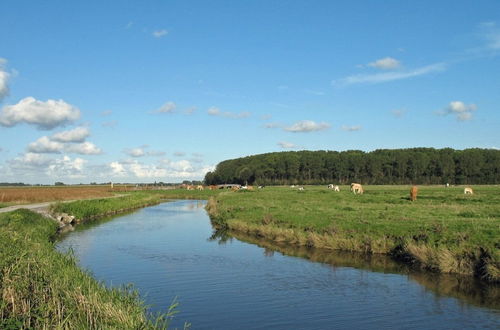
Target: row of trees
384 166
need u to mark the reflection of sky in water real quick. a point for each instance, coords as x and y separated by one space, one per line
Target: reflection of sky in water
165 251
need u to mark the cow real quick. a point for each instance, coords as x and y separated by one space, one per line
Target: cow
301 188
413 193
357 188
468 190
336 188
199 187
330 186
189 187
235 188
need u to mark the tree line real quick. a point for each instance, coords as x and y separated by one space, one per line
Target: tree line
383 166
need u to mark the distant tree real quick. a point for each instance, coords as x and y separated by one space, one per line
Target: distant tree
58 183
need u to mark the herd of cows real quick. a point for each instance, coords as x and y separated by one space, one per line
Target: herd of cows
356 188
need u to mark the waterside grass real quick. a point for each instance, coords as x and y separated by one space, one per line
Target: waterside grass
443 231
44 289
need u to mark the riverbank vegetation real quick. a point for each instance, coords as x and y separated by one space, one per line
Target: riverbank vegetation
43 289
383 166
443 231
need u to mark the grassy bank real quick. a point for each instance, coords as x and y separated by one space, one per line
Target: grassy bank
42 288
443 231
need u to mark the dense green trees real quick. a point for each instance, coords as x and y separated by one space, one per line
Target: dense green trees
383 166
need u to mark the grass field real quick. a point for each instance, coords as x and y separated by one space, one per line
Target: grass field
444 230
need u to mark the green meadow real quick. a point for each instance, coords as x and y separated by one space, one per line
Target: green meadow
443 230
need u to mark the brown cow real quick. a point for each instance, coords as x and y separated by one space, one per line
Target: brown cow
413 193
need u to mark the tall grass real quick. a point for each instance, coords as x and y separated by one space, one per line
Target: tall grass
43 289
443 231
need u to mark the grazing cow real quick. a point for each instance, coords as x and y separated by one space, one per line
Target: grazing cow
292 186
357 188
301 188
235 188
336 188
261 187
199 187
447 185
190 187
212 187
413 193
249 187
468 190
330 186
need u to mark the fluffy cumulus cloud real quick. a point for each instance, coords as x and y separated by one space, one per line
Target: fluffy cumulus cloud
72 141
287 145
216 112
460 110
40 168
78 134
306 126
44 115
160 33
383 77
351 128
386 63
4 79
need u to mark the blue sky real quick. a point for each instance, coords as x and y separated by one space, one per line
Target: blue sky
142 91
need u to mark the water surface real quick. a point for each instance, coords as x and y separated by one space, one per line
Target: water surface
170 250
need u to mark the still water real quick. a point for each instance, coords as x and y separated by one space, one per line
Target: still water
235 282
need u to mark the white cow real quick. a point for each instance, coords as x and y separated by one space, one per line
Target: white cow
301 188
468 190
336 188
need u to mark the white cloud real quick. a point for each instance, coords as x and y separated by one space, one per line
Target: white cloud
66 168
214 111
117 169
72 141
160 33
287 145
78 134
389 76
44 115
135 152
491 34
141 152
307 126
37 168
462 111
45 145
168 107
386 63
85 148
351 128
179 154
4 79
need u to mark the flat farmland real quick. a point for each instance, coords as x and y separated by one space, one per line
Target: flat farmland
26 195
